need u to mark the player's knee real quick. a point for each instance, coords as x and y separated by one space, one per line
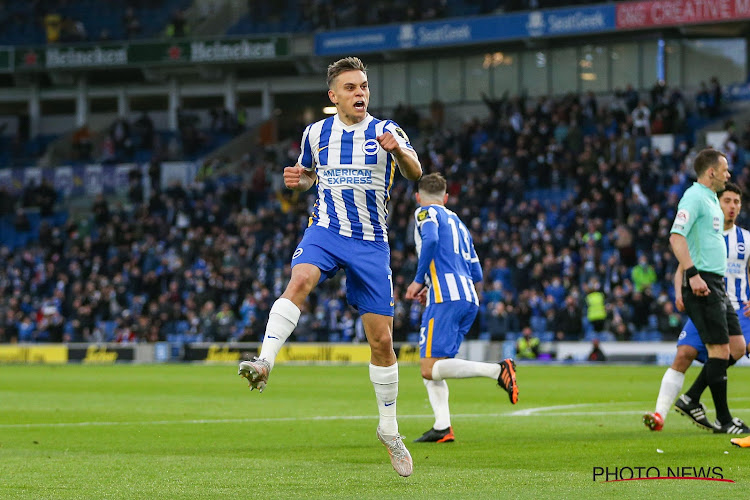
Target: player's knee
682 361
737 349
427 372
302 282
381 343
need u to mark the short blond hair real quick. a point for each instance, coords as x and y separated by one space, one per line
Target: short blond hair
433 185
343 65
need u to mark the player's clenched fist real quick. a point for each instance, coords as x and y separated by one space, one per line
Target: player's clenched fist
388 142
293 177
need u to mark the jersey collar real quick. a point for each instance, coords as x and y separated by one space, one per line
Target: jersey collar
358 126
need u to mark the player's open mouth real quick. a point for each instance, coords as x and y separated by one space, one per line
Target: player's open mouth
359 105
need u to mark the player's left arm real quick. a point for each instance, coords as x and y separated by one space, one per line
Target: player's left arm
476 267
397 143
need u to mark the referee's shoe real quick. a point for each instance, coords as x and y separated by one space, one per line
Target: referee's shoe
734 426
695 411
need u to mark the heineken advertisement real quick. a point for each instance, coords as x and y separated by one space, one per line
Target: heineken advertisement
56 57
203 51
235 50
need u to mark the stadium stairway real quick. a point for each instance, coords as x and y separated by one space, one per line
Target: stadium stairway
251 141
61 149
740 114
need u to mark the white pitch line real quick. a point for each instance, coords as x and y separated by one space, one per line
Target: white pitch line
541 411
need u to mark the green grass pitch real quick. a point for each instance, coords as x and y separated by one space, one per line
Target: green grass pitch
196 431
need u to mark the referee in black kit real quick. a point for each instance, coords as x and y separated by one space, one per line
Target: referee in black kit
697 240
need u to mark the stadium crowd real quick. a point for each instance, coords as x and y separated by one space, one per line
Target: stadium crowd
569 208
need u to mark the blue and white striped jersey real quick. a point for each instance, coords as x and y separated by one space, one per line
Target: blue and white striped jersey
447 259
355 175
738 253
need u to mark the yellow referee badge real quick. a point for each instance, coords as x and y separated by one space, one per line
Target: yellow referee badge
403 135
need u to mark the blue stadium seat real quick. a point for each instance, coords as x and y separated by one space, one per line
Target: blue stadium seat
547 336
108 328
640 336
607 337
655 336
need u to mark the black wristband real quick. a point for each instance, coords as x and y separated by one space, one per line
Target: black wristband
690 272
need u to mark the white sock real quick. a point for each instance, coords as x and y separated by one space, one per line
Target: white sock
385 381
281 323
461 368
671 385
437 391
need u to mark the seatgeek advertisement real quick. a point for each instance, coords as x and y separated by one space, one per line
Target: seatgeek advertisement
470 30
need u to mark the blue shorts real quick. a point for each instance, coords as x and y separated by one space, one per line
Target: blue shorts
444 327
689 336
369 285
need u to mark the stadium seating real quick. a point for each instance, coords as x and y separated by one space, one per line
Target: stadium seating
21 22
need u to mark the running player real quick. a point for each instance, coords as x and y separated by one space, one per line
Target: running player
447 271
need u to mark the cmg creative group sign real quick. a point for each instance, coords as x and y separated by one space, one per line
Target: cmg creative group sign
635 15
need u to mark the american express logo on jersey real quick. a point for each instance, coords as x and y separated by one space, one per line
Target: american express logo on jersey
734 267
346 175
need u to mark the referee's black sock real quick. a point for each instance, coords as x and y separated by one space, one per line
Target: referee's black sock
716 376
696 390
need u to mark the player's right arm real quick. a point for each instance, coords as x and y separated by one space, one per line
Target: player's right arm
302 176
679 304
687 213
298 178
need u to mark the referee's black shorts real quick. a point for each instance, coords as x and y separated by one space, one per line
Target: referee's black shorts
713 315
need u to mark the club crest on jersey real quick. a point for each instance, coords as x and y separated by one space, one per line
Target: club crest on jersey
740 247
297 253
370 147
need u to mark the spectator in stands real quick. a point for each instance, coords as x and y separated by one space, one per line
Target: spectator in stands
130 23
154 174
82 145
119 131
643 275
621 330
225 322
704 101
569 321
53 26
596 311
716 97
527 347
669 321
500 321
177 27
